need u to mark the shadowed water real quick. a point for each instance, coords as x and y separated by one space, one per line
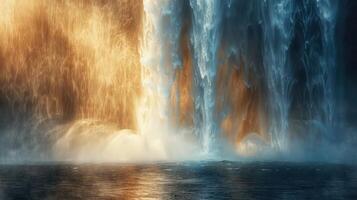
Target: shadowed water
196 180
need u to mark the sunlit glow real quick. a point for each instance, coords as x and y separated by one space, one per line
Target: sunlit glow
71 60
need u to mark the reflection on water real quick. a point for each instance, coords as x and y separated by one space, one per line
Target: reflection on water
200 180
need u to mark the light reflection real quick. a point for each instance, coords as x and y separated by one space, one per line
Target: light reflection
116 182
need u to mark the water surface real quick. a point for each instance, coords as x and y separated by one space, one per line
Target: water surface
188 180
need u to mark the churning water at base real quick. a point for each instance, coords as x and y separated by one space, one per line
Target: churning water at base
187 180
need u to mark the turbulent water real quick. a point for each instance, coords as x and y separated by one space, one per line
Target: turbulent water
155 80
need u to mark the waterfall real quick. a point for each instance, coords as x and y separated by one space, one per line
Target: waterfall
218 73
327 11
299 62
277 30
157 68
205 41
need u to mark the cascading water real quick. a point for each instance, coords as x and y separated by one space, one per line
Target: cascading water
327 11
277 27
205 41
244 73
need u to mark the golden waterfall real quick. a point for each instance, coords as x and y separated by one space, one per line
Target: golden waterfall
91 68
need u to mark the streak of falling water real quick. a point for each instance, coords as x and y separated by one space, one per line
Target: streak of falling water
327 10
205 41
278 30
159 59
317 21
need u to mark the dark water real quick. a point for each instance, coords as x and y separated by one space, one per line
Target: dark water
200 180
